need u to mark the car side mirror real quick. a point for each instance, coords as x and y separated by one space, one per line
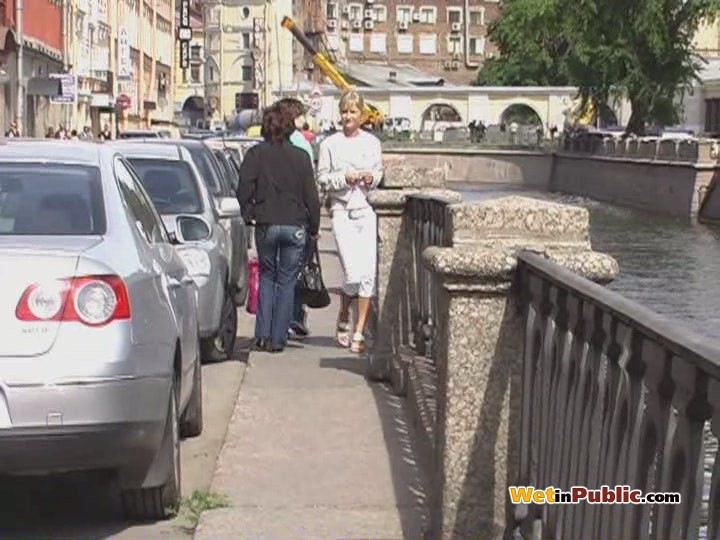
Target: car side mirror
190 229
228 207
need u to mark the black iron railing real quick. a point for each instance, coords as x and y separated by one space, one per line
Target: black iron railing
427 224
614 395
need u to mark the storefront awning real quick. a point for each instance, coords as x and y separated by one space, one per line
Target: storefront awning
44 86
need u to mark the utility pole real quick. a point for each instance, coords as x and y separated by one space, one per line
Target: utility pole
221 63
20 45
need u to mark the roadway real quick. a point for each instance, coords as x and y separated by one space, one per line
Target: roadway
85 507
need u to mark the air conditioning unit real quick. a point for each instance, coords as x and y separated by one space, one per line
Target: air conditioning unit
332 23
345 10
357 24
403 25
447 64
416 17
369 25
456 65
369 14
344 25
455 27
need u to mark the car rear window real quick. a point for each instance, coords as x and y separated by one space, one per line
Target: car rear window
170 184
51 200
203 161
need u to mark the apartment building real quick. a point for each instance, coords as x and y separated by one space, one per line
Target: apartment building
445 39
25 96
248 55
145 44
189 80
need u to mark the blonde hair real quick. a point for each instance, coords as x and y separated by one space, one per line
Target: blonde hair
350 98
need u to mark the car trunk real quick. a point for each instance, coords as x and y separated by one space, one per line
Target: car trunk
25 263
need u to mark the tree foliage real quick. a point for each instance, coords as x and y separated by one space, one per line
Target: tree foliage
638 49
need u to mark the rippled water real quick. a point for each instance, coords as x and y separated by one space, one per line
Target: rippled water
669 265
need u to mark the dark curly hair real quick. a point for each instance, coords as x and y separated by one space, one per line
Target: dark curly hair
294 106
277 124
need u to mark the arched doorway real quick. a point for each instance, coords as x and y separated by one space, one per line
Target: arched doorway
193 110
440 115
521 114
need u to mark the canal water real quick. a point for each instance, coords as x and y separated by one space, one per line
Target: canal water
668 265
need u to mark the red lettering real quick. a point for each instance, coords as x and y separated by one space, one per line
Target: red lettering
635 496
579 493
608 495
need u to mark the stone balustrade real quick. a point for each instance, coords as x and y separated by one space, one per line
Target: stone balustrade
519 368
643 149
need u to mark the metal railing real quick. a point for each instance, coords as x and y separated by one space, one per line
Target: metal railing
427 218
613 394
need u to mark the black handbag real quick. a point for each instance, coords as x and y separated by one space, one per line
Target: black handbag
310 289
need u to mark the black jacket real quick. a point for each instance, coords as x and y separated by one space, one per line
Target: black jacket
277 187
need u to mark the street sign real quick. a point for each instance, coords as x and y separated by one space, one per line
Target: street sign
68 88
124 68
184 34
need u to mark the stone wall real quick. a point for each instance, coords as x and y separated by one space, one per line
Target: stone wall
669 187
464 398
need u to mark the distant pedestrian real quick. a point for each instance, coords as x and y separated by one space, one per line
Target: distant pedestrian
277 190
349 166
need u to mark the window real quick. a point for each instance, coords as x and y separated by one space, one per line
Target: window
246 40
214 15
477 17
357 42
50 200
195 52
428 15
247 73
356 12
211 73
333 42
405 44
477 45
454 44
171 185
195 74
378 43
332 10
138 205
380 14
404 14
428 44
185 76
454 15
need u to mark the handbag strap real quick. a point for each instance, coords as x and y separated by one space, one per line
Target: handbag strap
314 253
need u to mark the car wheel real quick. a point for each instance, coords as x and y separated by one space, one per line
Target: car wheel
220 347
191 424
160 502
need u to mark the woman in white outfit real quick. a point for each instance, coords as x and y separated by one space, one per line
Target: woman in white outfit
350 165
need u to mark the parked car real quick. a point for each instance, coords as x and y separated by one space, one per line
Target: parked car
99 357
173 181
219 185
139 134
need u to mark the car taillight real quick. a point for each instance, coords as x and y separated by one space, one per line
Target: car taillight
91 300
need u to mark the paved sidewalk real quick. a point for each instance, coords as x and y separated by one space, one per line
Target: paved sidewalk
313 450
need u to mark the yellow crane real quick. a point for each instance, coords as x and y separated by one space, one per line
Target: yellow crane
372 114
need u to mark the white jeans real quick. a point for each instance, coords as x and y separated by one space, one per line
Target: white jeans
356 239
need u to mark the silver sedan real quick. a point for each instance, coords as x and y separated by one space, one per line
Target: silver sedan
99 361
174 183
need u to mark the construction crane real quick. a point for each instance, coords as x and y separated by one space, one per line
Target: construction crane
371 113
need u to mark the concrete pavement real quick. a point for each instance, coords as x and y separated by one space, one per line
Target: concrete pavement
313 451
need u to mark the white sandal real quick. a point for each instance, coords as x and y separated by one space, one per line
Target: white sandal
342 334
358 343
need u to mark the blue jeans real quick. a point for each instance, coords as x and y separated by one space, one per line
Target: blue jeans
280 249
299 309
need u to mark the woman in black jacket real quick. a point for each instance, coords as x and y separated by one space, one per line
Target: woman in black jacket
277 190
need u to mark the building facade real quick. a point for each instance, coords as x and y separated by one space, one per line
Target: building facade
445 39
189 80
144 45
248 55
25 96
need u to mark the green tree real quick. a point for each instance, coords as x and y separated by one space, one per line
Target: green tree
638 49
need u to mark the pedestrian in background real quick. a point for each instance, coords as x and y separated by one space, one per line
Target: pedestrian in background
277 190
349 166
297 110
